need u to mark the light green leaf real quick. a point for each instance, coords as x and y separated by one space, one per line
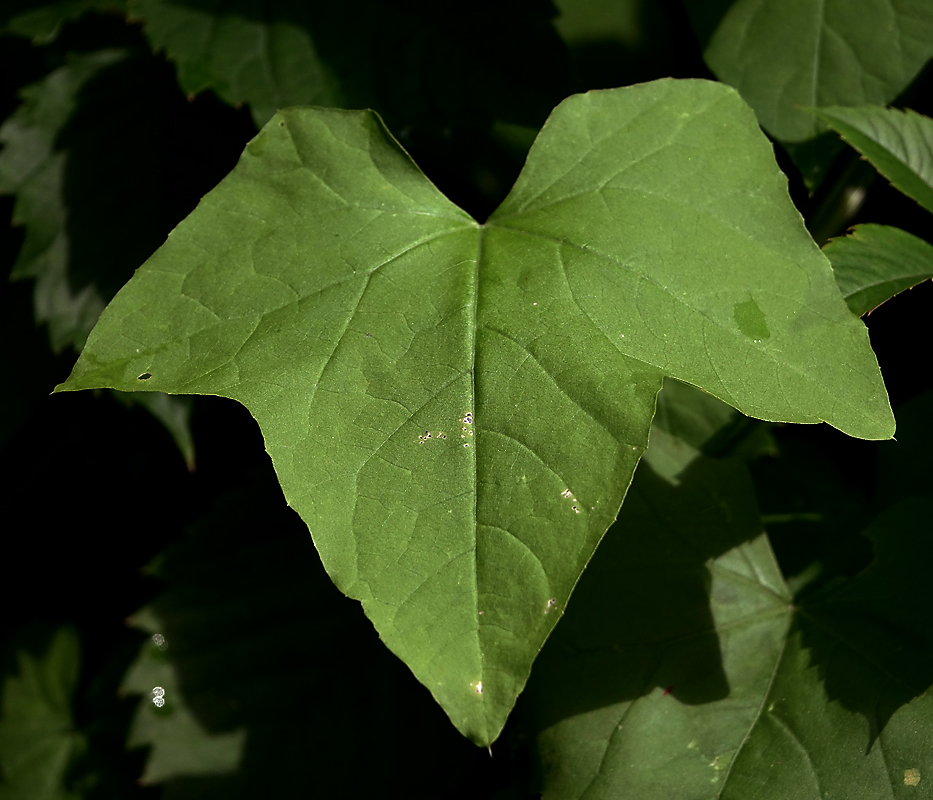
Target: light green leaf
783 55
682 671
38 742
898 143
456 409
875 262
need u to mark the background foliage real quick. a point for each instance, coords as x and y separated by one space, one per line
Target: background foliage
119 118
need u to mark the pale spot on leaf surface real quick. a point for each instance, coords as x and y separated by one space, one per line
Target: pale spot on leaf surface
911 777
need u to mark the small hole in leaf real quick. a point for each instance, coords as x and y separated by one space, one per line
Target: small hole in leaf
145 376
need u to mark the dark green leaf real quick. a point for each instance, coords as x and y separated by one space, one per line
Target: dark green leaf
242 52
87 199
783 56
875 262
683 671
90 202
42 20
38 741
456 409
408 62
664 661
898 143
273 681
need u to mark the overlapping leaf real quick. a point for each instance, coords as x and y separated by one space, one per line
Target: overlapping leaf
875 262
41 20
89 202
270 54
456 409
683 671
269 675
38 740
783 56
898 143
78 118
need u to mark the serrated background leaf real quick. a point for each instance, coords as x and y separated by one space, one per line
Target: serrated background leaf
783 55
663 662
898 143
402 59
38 740
873 263
68 154
663 701
41 21
482 394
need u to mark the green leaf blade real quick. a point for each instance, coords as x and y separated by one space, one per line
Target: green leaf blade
452 408
898 143
785 56
750 292
873 263
265 56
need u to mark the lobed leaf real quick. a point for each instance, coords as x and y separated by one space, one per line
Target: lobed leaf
875 262
456 409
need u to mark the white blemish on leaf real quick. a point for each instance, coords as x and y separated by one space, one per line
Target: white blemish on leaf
566 493
550 604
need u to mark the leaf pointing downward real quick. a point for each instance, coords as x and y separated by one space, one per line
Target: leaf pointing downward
457 409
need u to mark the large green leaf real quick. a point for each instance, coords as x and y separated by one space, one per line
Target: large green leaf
682 670
456 409
898 143
875 262
783 55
